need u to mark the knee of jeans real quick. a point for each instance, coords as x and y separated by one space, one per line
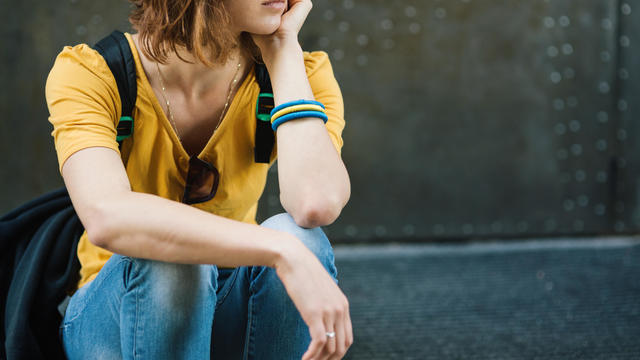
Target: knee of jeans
314 239
165 279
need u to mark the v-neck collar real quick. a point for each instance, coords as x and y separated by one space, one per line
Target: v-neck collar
163 117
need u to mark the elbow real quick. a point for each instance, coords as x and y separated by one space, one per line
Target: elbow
319 211
98 225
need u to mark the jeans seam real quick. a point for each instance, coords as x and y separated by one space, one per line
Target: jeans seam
229 287
248 336
136 354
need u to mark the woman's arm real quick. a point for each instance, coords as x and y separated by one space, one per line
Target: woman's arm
147 226
314 184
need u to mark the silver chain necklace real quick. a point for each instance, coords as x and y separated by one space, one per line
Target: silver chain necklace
226 104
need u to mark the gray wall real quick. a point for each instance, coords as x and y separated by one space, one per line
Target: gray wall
464 118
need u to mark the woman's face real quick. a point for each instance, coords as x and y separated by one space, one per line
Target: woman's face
260 17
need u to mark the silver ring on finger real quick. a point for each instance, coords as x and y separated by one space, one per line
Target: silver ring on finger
331 334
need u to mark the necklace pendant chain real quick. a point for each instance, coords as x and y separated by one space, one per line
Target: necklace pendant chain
224 109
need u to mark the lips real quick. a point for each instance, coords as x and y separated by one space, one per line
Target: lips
274 3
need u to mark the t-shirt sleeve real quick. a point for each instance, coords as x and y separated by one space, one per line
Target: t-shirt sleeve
83 102
327 91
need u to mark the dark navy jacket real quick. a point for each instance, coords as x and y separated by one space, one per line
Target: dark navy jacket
39 267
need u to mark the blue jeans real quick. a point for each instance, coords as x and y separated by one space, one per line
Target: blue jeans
144 309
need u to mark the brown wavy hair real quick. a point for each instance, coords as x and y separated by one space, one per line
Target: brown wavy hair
199 26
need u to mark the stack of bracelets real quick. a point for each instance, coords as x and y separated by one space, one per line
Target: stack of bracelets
296 110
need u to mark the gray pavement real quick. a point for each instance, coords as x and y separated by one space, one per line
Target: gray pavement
523 299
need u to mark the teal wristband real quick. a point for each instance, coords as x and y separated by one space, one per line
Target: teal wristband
297 115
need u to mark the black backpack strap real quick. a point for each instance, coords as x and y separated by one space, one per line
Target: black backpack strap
265 137
117 53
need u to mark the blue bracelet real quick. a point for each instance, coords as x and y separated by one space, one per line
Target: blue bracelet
296 102
297 115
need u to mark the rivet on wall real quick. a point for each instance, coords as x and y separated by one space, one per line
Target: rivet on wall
386 24
574 125
568 205
558 104
601 145
564 21
380 230
96 19
409 230
567 49
576 149
562 154
522 226
624 41
606 24
581 176
555 77
343 26
622 134
362 59
388 44
323 41
338 54
601 177
438 229
622 105
329 15
604 87
415 28
350 230
623 74
362 39
81 30
625 9
441 13
548 22
560 129
348 4
410 11
605 56
583 200
602 116
552 51
569 73
600 209
550 225
622 162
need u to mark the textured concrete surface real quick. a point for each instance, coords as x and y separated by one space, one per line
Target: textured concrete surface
543 299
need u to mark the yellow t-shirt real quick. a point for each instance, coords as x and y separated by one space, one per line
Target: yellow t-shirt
84 107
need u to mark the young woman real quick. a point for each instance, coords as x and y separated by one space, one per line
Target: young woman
168 274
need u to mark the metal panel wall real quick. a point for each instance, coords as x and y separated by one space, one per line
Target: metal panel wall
484 118
464 118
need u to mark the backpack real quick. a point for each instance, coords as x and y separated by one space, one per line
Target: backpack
39 240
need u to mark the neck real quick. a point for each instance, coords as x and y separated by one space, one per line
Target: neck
193 78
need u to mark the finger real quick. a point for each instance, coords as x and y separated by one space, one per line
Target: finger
348 328
318 340
339 340
330 347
